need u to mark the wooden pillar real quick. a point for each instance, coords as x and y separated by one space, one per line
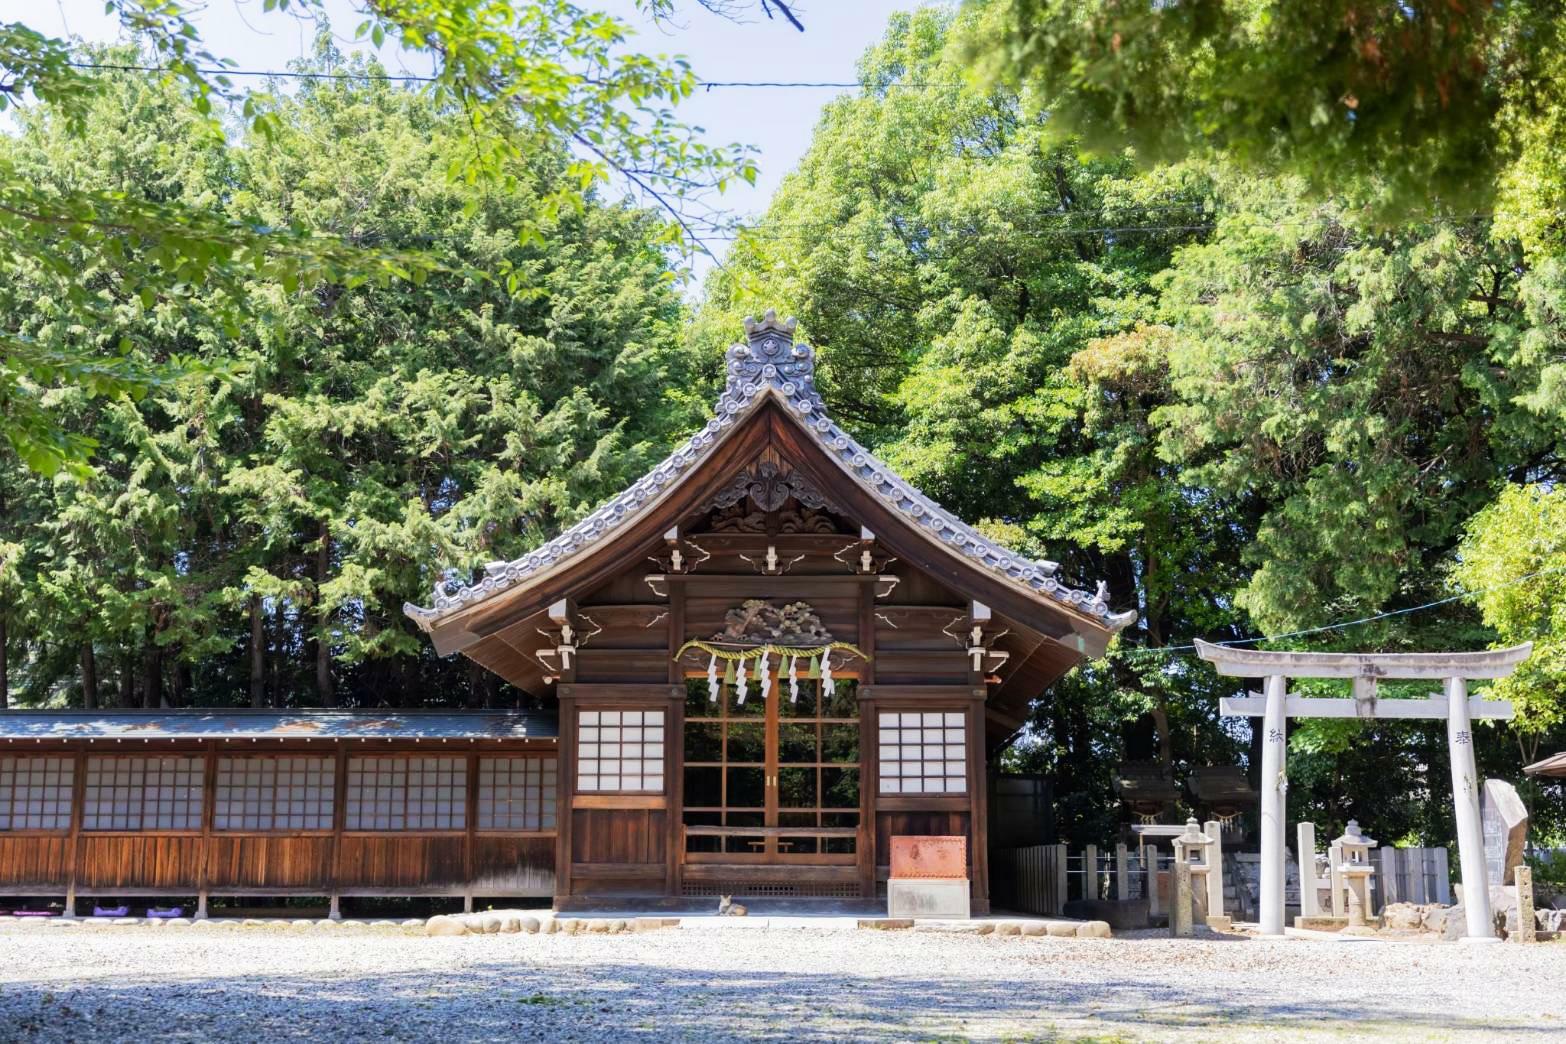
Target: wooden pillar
1090 872
78 810
208 811
1465 795
1061 855
674 751
978 786
1274 739
339 824
470 821
565 790
869 742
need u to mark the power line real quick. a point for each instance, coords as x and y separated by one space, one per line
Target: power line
706 85
1172 649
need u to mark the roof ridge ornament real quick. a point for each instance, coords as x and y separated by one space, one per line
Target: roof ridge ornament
770 357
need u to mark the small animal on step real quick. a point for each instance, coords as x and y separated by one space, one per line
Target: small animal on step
727 907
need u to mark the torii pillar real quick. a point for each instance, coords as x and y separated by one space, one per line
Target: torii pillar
1365 670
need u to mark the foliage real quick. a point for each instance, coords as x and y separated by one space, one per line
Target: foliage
1408 107
1514 558
527 76
365 431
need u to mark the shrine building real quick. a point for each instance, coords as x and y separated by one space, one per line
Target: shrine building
756 666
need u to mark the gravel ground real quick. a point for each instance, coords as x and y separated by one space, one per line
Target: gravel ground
722 980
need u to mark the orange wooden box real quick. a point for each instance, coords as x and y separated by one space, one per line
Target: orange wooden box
929 857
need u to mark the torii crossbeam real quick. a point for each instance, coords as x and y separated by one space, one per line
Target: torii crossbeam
1365 670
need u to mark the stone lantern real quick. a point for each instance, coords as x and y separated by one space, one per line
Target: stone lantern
1350 874
1190 861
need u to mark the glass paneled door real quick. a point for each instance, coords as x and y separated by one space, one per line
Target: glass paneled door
772 780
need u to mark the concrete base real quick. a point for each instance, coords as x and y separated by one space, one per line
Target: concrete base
1480 941
928 897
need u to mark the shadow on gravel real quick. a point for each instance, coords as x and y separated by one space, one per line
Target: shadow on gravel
530 998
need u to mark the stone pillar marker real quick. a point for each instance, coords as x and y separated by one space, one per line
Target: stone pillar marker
1527 923
1214 831
1310 899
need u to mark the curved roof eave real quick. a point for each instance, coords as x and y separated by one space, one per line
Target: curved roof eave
769 366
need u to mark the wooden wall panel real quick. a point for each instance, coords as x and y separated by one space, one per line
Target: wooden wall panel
269 862
35 859
595 663
513 865
602 835
154 861
400 861
947 666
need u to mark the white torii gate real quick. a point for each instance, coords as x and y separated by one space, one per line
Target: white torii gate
1365 669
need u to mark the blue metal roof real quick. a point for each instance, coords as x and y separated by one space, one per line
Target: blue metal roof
236 723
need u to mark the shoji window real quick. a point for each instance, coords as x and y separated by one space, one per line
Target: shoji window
263 792
620 750
389 792
923 752
516 793
35 792
143 792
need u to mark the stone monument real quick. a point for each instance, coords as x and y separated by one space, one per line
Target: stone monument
1504 820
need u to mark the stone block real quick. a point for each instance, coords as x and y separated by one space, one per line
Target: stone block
1093 930
1321 923
510 924
442 925
1220 922
928 897
1403 917
528 925
550 926
1008 928
886 924
413 922
650 924
1456 927
1061 929
1034 929
1434 916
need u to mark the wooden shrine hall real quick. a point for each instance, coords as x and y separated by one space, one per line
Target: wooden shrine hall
767 658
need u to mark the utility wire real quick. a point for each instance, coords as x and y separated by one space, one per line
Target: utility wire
707 85
1173 649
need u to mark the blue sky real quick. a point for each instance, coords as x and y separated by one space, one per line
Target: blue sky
778 122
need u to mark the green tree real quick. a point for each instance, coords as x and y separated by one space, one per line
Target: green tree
252 539
529 76
1406 107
